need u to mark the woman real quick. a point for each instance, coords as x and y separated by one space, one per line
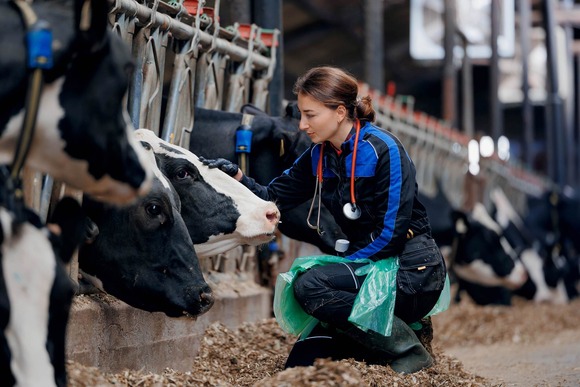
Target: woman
364 176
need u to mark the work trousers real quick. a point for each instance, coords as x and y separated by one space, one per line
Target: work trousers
328 293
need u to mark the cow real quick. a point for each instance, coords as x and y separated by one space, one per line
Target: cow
276 144
491 254
143 254
539 267
36 294
220 213
82 134
553 221
478 257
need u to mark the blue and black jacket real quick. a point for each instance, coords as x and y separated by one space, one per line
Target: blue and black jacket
385 190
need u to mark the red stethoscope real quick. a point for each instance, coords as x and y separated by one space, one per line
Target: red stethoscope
350 210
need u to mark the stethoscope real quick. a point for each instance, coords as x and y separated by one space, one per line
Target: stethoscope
351 210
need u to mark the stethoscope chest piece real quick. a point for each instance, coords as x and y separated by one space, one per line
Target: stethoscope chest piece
351 211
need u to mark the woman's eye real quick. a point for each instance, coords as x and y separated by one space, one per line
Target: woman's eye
183 174
153 209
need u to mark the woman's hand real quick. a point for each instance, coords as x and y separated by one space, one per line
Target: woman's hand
224 165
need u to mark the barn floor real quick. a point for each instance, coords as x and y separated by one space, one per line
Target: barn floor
523 345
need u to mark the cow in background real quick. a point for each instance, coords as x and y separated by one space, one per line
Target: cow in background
545 283
554 223
83 133
276 144
36 294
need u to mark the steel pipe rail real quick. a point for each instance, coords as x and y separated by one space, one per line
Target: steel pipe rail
182 31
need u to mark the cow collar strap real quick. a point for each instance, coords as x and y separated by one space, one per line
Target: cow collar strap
39 57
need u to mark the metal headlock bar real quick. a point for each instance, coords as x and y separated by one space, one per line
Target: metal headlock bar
441 152
182 31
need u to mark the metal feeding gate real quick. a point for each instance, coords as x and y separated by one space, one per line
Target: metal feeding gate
440 154
183 59
186 59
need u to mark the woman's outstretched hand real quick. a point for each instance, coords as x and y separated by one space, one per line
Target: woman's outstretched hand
224 165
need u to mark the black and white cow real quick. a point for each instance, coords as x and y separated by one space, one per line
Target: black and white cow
554 223
276 144
143 254
539 267
82 134
478 257
219 212
36 294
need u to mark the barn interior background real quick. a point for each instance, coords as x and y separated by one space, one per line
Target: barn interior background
494 114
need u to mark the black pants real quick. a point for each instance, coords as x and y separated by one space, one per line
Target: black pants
328 292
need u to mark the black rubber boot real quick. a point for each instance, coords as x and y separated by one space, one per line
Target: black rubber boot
425 333
403 349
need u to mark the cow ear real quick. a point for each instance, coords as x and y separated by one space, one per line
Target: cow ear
460 221
91 22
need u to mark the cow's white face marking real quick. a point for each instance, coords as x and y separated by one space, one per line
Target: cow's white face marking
47 153
505 211
252 226
482 216
29 267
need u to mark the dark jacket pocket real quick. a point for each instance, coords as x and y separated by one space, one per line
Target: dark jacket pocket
421 267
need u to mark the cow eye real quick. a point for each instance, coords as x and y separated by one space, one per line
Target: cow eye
183 174
153 210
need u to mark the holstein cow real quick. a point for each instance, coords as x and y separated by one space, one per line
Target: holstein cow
554 222
35 295
276 144
219 212
538 267
143 254
82 135
478 257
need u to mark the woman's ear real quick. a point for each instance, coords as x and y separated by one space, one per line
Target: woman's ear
341 113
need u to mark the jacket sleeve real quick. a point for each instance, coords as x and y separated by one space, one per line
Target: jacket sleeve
394 198
293 187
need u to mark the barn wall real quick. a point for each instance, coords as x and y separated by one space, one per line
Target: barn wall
106 333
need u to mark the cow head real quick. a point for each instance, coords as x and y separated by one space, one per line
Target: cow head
143 253
83 135
219 212
276 144
36 295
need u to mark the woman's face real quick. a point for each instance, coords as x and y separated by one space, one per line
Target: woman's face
318 121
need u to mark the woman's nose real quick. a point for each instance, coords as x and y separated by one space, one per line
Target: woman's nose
303 124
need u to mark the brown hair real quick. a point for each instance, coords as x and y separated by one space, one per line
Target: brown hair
334 87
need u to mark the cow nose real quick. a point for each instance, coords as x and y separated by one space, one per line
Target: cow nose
273 216
206 297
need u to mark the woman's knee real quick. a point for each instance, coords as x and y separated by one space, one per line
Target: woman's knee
306 287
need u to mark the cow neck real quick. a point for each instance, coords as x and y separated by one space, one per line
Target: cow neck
39 37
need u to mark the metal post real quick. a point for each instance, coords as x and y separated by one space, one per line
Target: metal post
568 130
374 46
467 88
268 14
495 105
554 128
527 108
449 82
